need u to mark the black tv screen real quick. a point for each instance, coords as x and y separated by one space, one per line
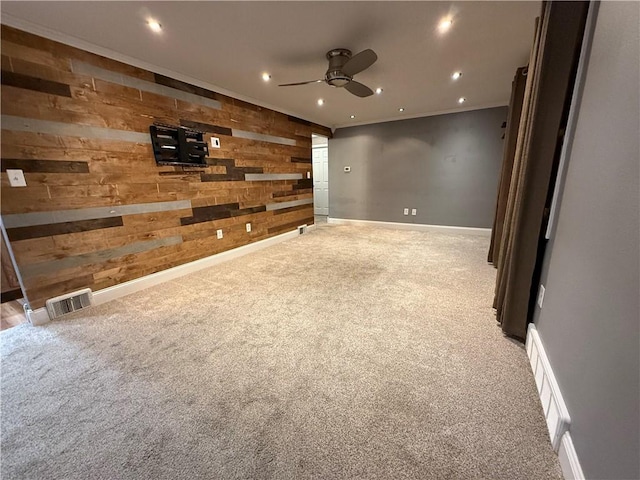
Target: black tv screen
178 146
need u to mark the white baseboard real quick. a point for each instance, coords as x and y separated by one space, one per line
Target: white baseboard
40 316
568 457
555 410
37 317
420 227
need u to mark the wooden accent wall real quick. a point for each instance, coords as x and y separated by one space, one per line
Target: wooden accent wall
97 211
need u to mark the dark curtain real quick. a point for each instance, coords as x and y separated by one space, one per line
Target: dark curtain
511 136
545 106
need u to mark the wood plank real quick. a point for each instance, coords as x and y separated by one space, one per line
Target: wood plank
37 84
50 73
6 63
206 127
35 56
185 87
38 139
44 166
23 233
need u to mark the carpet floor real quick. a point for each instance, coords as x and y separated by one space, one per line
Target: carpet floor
348 352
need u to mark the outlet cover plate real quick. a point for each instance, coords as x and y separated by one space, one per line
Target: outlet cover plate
248 227
16 178
541 295
219 233
414 211
406 211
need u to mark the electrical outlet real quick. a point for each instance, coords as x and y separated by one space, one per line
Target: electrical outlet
406 211
215 142
540 295
414 211
248 227
219 233
16 178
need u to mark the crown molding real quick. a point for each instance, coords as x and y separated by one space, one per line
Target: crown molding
424 114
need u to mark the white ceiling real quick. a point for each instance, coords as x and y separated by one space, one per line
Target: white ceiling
227 45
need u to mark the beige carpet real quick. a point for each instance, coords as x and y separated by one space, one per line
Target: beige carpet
349 352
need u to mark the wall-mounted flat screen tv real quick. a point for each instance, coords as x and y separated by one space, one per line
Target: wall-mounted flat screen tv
178 146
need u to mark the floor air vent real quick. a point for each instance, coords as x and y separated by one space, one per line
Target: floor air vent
58 306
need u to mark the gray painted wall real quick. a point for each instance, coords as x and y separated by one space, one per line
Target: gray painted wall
446 166
590 319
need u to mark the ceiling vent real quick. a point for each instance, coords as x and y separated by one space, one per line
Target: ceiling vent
71 302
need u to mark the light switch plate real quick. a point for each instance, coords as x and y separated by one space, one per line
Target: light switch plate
215 142
541 296
16 178
308 174
219 233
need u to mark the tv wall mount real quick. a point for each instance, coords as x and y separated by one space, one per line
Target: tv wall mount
178 146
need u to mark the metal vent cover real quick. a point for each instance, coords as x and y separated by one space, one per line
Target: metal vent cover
70 302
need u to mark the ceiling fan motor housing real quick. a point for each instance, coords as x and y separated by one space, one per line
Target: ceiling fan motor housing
337 58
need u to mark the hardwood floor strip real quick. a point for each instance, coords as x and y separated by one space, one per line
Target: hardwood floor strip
58 216
33 83
44 166
24 233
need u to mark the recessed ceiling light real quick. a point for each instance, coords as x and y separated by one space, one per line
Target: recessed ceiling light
266 77
445 24
401 109
378 90
462 100
320 102
353 116
456 75
154 26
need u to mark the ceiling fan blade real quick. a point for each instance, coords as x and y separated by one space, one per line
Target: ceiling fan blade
359 62
358 89
300 83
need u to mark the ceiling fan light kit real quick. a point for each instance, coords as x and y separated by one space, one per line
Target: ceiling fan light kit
342 67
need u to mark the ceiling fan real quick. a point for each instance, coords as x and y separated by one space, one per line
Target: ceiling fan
342 68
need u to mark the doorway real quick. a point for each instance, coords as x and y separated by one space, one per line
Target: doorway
320 159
